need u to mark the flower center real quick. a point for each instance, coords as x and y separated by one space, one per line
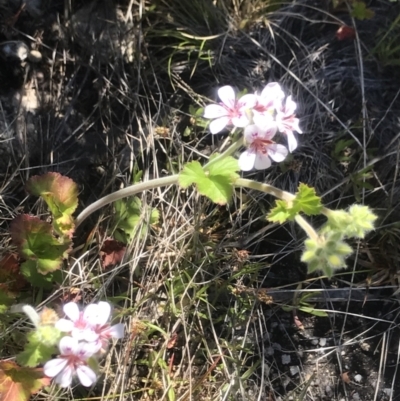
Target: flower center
260 145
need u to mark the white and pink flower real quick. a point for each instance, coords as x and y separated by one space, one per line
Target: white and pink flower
72 361
80 323
261 148
231 111
287 122
91 324
267 103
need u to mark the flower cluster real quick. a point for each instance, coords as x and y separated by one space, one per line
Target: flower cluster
261 115
88 335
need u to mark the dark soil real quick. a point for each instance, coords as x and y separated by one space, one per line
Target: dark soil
88 106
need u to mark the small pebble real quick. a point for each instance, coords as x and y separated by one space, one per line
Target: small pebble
294 370
356 397
322 342
387 391
285 359
358 378
314 341
35 56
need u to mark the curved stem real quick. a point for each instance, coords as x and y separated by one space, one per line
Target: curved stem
269 189
123 193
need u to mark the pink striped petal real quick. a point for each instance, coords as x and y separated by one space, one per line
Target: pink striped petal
227 96
218 125
86 375
53 367
215 111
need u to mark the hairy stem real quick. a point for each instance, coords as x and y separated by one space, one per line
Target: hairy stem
123 193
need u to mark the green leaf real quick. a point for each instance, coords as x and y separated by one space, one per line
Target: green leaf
312 311
281 212
35 241
6 300
215 182
129 218
30 272
42 343
307 201
35 354
61 195
361 12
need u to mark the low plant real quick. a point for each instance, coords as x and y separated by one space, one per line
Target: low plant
265 124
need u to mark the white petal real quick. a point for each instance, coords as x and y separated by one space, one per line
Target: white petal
296 127
273 92
292 142
247 101
64 378
87 334
68 345
263 119
290 106
246 160
262 162
117 331
227 96
85 350
91 314
214 111
218 125
268 131
53 367
86 375
250 132
64 325
241 121
104 313
277 152
72 311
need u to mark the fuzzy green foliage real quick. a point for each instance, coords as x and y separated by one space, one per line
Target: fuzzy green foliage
326 253
306 201
355 223
40 347
215 181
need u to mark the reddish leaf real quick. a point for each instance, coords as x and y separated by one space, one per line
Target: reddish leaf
345 33
36 242
112 253
61 195
18 383
10 274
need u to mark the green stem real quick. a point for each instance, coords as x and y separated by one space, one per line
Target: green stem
144 186
123 193
232 149
278 193
269 189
